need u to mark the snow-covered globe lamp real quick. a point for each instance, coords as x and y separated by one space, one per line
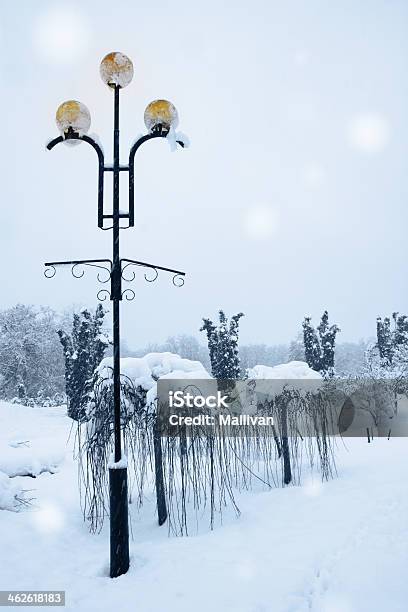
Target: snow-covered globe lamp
73 116
116 69
160 114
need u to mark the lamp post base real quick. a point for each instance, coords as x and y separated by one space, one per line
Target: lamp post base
119 524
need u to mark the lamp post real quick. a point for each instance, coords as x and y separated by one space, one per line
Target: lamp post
73 121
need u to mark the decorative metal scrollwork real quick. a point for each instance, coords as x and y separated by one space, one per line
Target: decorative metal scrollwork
103 295
178 280
151 280
105 270
80 272
77 271
128 292
124 277
152 273
106 265
50 271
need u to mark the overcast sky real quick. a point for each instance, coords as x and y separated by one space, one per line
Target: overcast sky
292 197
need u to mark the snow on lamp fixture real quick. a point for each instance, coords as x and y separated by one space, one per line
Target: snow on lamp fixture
160 114
116 70
73 116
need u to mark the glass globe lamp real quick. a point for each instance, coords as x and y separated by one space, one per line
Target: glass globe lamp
160 114
116 69
73 116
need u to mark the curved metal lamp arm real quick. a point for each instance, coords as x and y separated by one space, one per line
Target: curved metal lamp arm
160 133
101 164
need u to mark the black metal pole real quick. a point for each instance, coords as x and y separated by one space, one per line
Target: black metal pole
116 280
118 490
118 487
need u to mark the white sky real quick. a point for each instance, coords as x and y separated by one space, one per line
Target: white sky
292 197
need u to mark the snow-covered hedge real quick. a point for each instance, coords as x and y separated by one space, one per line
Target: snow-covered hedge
294 370
200 463
145 371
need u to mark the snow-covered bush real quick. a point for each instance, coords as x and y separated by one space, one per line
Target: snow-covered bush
292 371
295 396
139 376
388 357
58 399
202 466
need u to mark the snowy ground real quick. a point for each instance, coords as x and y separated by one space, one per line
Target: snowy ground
340 546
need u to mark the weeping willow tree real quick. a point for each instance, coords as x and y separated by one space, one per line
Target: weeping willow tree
95 443
197 471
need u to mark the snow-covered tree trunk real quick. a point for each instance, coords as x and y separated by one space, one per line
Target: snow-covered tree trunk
287 471
159 476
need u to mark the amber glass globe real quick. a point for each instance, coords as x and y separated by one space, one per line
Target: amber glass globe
160 112
116 69
75 115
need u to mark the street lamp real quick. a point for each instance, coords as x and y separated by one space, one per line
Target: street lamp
73 120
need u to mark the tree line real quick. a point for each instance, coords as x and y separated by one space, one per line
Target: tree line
46 356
